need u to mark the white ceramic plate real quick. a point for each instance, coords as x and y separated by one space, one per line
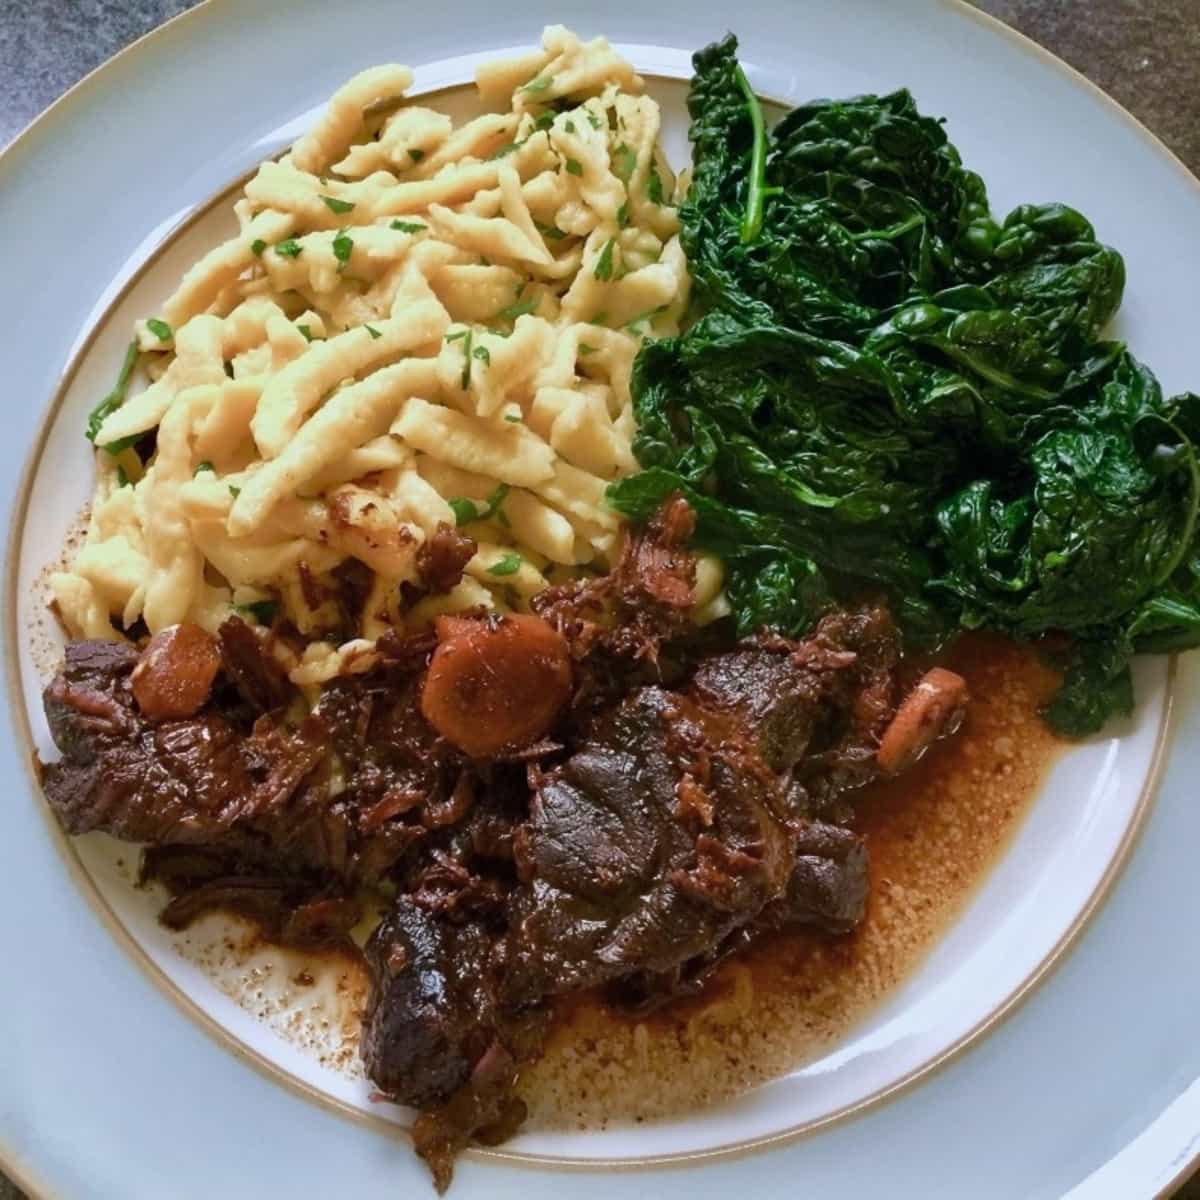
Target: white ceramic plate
112 1091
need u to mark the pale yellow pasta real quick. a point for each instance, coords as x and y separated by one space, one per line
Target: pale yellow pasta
333 133
419 325
352 416
296 391
506 451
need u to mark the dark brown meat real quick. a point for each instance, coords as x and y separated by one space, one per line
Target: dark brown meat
654 840
442 557
828 886
261 798
260 680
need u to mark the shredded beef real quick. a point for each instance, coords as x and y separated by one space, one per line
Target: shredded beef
683 795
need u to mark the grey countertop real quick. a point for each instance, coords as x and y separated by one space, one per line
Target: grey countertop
1145 53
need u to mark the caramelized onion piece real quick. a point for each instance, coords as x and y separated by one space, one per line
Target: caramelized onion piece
175 673
495 683
934 708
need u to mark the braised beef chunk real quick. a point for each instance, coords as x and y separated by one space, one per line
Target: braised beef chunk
442 558
431 1010
828 886
645 848
596 796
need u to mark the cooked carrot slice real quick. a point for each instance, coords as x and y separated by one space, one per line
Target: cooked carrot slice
495 683
933 708
175 673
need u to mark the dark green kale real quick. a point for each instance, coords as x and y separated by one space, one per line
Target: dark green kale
885 389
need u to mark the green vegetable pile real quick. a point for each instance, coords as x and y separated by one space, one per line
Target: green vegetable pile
887 389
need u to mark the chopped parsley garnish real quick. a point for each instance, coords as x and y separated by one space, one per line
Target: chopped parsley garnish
569 125
113 401
408 226
624 159
416 155
623 215
235 492
552 232
458 333
505 150
343 244
544 121
519 309
263 611
122 478
464 510
257 247
373 332
289 248
654 188
573 167
336 205
510 564
584 348
160 329
304 329
512 418
204 466
538 85
481 353
466 371
600 318
648 315
604 264
593 120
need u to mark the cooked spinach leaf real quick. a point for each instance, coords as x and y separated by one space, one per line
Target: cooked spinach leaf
886 389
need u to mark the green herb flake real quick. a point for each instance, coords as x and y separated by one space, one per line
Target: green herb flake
464 510
113 401
122 477
538 85
624 161
373 332
481 353
510 564
551 233
263 611
408 226
519 309
343 246
289 248
573 167
654 185
337 206
235 492
585 349
569 125
304 329
512 418
160 329
458 333
544 121
600 318
593 120
416 155
604 263
257 247
623 215
505 150
204 466
466 368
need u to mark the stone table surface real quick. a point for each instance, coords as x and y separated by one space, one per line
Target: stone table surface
1145 53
